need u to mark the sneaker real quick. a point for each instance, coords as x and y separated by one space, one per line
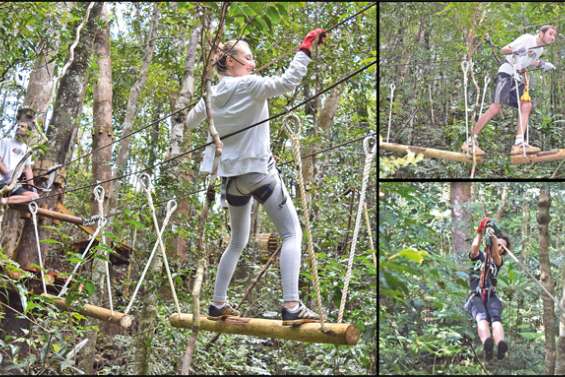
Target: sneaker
488 346
467 147
298 317
518 149
215 313
501 350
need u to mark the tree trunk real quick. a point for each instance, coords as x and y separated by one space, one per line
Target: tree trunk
63 128
560 358
548 304
37 98
101 165
179 137
459 197
131 110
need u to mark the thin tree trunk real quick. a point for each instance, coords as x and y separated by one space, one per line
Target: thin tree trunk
543 218
459 197
131 109
101 165
560 358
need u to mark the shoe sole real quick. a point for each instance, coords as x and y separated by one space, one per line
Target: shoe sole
488 348
298 322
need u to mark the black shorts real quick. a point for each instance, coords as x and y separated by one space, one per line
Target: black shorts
477 310
18 190
505 90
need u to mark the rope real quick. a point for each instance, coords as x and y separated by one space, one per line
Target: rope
310 244
147 187
171 207
101 223
99 194
530 275
487 81
33 209
224 137
369 155
392 87
370 235
466 66
518 103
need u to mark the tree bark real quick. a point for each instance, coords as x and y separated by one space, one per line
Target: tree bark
543 218
131 110
63 128
101 165
459 197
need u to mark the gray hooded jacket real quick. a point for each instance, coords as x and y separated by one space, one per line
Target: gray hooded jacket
238 102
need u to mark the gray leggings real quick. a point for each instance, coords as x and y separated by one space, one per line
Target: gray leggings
283 214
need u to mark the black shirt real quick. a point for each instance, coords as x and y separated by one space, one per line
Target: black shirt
475 273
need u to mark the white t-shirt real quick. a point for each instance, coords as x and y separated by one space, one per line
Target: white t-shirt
11 153
238 102
521 62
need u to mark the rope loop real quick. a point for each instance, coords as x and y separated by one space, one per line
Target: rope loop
171 206
370 144
32 206
99 193
287 120
145 181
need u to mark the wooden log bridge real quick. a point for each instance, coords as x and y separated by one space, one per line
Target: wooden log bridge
543 156
340 333
103 314
430 152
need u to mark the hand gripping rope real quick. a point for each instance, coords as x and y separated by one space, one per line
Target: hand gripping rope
294 136
392 87
369 155
101 224
171 207
33 209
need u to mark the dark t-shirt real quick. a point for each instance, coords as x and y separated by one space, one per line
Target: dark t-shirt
475 273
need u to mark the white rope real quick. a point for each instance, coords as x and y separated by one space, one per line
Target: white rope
370 235
33 209
518 102
294 136
171 207
369 155
487 81
465 66
101 224
392 88
99 194
148 188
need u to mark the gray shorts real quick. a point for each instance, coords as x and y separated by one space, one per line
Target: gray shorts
505 90
475 307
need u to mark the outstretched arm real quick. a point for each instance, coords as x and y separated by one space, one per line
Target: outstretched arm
475 246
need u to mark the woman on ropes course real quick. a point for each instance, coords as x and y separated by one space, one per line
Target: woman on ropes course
483 304
520 54
12 150
248 169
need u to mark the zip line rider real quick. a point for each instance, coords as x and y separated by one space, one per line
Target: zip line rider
483 304
523 52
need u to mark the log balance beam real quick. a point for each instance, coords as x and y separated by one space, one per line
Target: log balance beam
103 314
430 152
543 156
336 333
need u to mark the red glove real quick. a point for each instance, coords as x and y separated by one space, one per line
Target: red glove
316 34
482 225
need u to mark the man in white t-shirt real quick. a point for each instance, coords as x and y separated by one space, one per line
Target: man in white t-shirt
521 54
12 151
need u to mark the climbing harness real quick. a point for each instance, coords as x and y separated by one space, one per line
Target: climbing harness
171 207
392 88
294 136
369 155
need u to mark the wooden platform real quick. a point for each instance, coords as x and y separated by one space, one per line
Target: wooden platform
543 156
103 314
342 333
430 152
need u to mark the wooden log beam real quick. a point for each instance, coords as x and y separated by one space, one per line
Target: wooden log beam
543 156
106 315
53 215
341 333
429 152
